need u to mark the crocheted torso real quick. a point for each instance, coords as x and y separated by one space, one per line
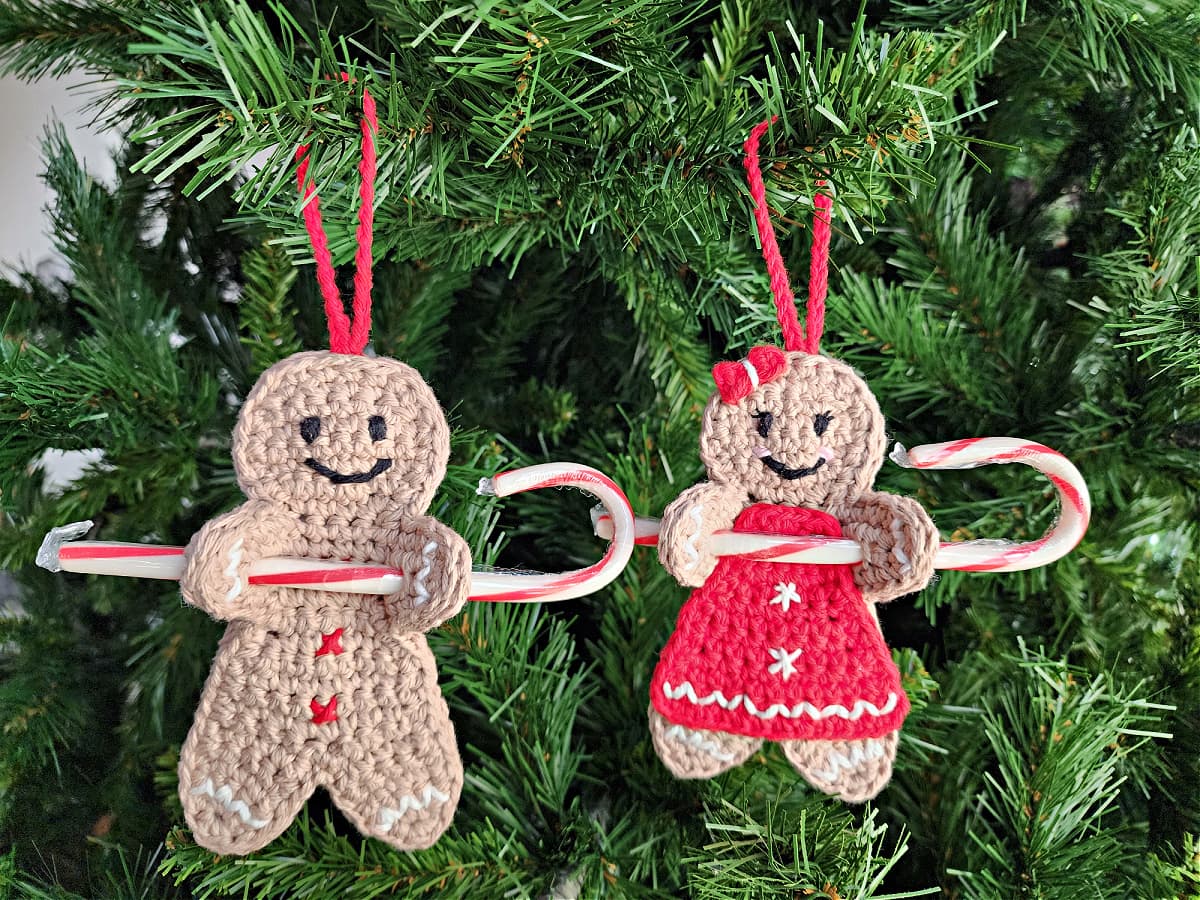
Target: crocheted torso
324 658
781 651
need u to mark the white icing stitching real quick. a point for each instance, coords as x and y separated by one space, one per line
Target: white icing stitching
427 557
235 560
389 816
861 707
897 551
693 738
858 756
690 545
224 796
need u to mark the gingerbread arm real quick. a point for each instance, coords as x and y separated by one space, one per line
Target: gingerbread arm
688 523
216 574
436 561
898 541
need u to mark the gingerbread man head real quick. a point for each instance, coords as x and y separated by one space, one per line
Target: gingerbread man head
328 432
794 429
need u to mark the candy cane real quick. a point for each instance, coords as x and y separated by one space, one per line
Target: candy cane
536 587
966 556
59 551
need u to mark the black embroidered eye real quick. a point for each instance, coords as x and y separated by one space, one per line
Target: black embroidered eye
765 421
310 428
377 428
821 422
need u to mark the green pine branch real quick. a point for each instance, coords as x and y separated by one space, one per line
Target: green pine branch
1066 746
40 39
267 320
1158 272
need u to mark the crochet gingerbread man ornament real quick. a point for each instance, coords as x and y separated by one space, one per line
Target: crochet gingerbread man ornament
788 652
339 456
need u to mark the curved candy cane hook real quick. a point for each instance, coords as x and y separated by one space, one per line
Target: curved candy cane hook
967 556
60 552
539 588
1007 556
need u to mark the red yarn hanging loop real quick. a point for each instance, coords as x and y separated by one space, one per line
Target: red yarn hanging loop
807 339
818 269
345 336
785 300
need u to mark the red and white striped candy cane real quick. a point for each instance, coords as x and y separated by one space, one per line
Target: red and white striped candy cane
1007 556
59 551
966 556
537 588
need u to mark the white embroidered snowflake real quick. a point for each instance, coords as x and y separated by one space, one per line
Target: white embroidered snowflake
784 662
785 594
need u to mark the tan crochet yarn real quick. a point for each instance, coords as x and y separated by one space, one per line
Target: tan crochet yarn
340 455
789 652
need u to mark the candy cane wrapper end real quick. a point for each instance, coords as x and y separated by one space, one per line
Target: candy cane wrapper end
47 555
900 456
486 488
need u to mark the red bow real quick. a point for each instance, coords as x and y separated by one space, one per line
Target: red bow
737 380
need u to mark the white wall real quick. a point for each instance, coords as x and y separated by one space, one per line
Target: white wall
26 108
24 227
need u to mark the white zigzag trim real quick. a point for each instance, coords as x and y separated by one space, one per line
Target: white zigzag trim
858 756
423 592
235 560
861 707
389 816
224 796
690 545
692 738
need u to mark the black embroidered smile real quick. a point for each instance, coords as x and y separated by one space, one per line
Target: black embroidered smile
790 474
381 465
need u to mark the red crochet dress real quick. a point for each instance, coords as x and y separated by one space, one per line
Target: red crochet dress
782 651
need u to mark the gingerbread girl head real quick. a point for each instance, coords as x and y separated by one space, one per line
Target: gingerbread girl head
325 432
792 428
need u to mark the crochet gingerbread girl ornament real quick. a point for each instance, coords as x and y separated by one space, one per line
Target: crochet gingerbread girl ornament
788 652
339 456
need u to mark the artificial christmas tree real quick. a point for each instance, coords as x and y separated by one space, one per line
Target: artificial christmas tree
563 248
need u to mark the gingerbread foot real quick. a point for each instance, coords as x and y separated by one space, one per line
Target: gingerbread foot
696 753
854 771
242 777
399 777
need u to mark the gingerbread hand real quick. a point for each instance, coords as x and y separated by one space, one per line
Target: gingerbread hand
898 541
216 574
437 563
688 524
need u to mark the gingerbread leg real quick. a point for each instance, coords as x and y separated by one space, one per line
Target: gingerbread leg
398 775
244 771
854 771
696 753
